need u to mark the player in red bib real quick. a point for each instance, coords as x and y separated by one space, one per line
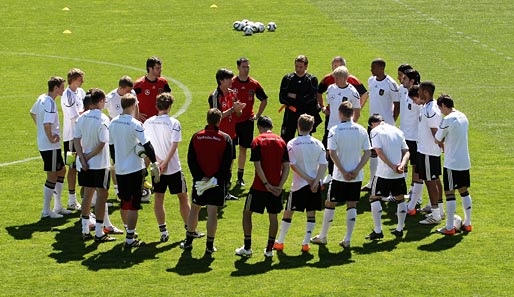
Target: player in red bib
148 87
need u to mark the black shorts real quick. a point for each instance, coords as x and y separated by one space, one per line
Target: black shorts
244 132
455 179
304 199
413 151
428 167
130 187
257 200
382 187
339 191
68 147
175 182
213 196
52 160
95 178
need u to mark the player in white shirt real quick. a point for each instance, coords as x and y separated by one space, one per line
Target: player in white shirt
308 162
125 134
453 133
393 155
91 138
409 121
165 133
72 106
428 163
384 99
349 148
45 114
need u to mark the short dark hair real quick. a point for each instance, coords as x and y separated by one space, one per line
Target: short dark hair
128 100
429 86
305 122
412 74
96 95
164 101
379 61
151 62
303 59
87 101
375 118
346 109
265 122
414 91
241 60
55 81
404 67
214 116
446 100
222 74
125 81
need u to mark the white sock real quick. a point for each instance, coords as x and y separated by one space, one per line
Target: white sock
376 212
284 227
72 198
99 229
351 217
441 208
107 220
401 213
328 217
47 198
466 205
58 194
417 192
308 232
85 225
451 205
130 240
373 163
436 214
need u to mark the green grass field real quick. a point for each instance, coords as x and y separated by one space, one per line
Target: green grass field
465 47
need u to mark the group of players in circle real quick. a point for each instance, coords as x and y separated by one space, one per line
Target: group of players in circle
139 125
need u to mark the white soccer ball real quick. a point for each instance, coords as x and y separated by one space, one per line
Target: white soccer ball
235 25
140 150
457 222
260 26
272 26
238 25
248 31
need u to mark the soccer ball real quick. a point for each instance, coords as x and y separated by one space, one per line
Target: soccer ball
238 25
261 27
272 26
248 31
457 222
140 150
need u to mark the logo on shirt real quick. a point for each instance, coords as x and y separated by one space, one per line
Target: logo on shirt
381 92
345 99
147 92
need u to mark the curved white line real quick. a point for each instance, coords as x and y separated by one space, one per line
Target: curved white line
185 90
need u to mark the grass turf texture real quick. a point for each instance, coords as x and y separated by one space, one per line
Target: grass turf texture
463 47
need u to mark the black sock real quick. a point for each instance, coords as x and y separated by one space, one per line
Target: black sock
240 173
248 242
210 242
271 241
189 238
162 228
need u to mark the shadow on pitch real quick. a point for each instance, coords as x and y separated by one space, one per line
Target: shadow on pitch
328 259
69 246
120 257
23 232
187 265
378 246
443 243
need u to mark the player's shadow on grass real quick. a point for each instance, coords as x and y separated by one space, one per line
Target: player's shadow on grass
187 265
245 269
443 243
328 259
120 257
377 246
69 246
23 232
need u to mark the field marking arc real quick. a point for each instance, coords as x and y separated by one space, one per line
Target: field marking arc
185 90
475 41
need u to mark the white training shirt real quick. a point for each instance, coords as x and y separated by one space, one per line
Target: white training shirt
113 103
72 105
429 117
391 141
454 131
337 95
125 133
306 153
382 94
409 118
45 110
92 129
348 139
163 131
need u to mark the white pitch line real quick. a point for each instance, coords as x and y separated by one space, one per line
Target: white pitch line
183 108
461 34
